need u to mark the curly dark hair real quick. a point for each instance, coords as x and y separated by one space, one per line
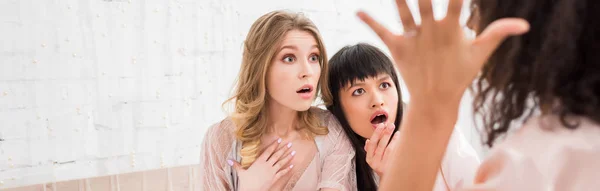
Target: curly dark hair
555 67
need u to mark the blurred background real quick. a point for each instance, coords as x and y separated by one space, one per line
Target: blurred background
91 88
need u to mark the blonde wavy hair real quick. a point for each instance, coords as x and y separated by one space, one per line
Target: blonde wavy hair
251 99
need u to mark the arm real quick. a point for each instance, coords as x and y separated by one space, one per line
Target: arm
437 63
338 166
420 149
213 159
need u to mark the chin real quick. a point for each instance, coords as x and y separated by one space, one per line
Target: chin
302 107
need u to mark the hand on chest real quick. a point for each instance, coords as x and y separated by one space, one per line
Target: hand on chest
304 152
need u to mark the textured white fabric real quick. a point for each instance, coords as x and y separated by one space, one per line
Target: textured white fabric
544 155
334 168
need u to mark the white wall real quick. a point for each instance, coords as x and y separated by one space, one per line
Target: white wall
97 87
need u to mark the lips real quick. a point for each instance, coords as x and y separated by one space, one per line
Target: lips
380 116
306 91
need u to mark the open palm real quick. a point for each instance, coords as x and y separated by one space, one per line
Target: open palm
436 59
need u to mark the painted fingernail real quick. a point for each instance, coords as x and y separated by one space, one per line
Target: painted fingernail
279 140
291 166
230 162
289 145
293 153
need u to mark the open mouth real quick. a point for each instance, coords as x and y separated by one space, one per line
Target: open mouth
304 90
379 117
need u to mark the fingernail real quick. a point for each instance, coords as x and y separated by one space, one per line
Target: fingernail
293 153
279 140
230 162
360 14
291 166
289 145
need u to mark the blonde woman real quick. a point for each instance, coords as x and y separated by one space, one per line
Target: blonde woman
274 140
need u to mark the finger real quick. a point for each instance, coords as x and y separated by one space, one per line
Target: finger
391 147
236 166
426 11
379 29
275 157
393 142
495 34
374 140
270 149
408 22
284 161
283 172
383 143
368 155
454 9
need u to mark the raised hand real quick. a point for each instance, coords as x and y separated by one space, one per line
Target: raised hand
435 58
437 63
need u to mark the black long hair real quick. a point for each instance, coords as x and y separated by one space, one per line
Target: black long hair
349 64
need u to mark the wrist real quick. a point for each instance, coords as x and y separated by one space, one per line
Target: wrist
431 113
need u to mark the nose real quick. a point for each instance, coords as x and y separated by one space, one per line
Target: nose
377 100
306 70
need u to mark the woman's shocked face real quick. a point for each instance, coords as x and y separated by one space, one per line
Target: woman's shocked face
369 102
295 70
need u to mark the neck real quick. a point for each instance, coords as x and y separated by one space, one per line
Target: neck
282 120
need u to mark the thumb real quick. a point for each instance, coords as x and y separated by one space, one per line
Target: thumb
487 42
237 166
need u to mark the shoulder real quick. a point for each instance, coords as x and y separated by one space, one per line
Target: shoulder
459 149
460 162
328 120
220 134
545 152
542 136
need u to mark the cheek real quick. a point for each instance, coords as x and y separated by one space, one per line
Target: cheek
276 78
392 100
357 115
392 96
351 111
316 68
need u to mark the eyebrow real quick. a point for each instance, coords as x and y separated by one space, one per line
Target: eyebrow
387 77
354 84
293 47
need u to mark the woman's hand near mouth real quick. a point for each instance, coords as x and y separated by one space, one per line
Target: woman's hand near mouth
377 147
